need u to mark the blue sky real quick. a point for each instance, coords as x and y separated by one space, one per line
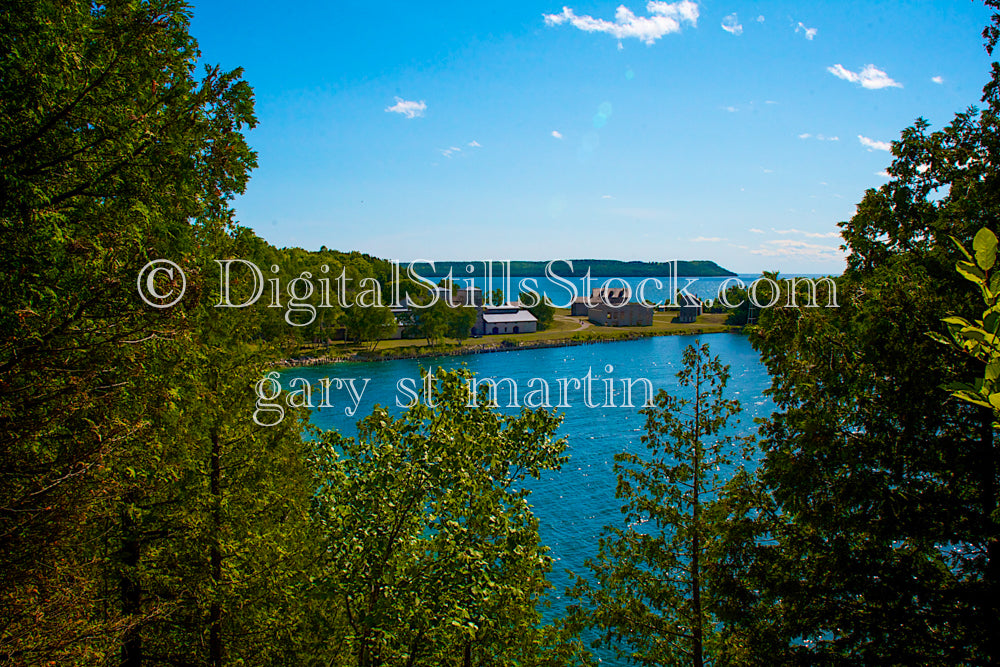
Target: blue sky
740 132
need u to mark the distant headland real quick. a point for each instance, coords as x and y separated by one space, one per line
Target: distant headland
598 268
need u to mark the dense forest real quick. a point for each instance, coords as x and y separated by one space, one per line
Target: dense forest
145 519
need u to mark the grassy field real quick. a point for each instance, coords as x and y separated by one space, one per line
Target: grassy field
565 329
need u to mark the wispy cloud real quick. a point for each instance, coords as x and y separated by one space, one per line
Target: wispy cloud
754 230
883 174
732 25
808 32
557 134
811 235
937 79
760 19
818 137
665 18
448 152
408 108
475 144
799 249
707 239
873 145
730 109
870 77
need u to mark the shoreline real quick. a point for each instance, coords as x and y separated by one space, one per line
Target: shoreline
500 346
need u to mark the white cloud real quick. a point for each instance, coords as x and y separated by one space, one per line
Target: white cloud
937 79
809 32
732 25
557 134
474 144
811 235
606 197
448 152
883 174
665 18
760 19
730 109
818 137
707 239
755 230
870 77
801 249
873 145
408 108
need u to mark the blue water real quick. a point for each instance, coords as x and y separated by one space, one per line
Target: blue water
573 504
561 294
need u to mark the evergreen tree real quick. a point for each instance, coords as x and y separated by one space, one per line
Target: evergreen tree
873 537
113 152
652 599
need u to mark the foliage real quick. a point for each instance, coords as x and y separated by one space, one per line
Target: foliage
371 324
543 311
431 549
652 593
113 153
872 535
978 338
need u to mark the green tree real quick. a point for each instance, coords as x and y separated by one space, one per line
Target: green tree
543 311
978 338
875 540
431 322
431 549
460 322
209 545
113 152
651 593
371 324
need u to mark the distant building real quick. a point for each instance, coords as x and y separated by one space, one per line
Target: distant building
505 319
690 308
615 296
625 315
580 306
465 297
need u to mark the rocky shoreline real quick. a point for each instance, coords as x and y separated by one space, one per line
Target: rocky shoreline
489 348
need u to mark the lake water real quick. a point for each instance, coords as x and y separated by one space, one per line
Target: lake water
573 504
561 292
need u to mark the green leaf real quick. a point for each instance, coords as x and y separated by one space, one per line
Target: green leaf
961 247
985 245
971 272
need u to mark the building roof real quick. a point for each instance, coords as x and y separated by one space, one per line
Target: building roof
501 318
689 300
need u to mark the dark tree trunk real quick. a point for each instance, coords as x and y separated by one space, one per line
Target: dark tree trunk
131 589
988 500
215 610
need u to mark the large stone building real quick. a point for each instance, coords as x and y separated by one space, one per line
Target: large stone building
610 307
625 315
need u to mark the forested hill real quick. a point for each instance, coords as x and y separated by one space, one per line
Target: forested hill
598 267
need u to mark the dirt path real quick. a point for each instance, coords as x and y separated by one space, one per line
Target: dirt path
584 324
